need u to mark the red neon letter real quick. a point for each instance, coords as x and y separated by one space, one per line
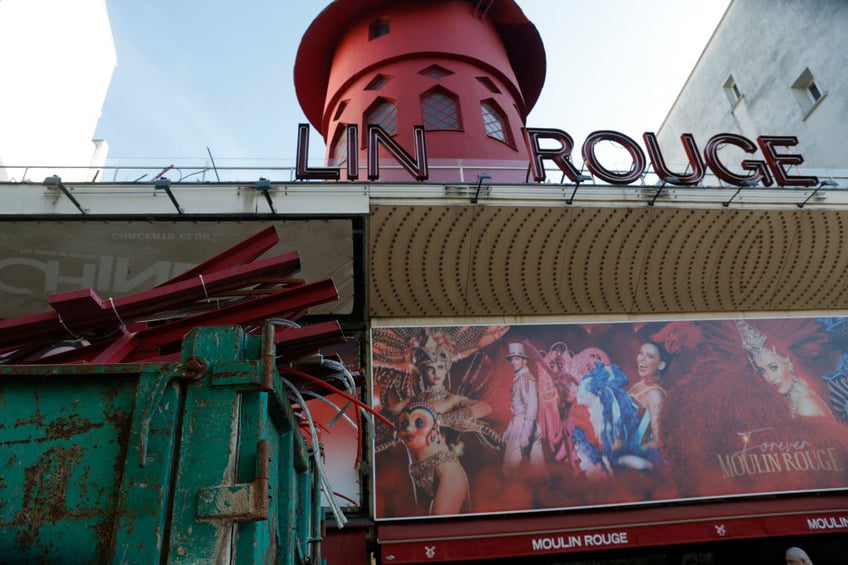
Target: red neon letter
613 177
758 168
776 162
416 167
560 156
352 133
666 174
302 170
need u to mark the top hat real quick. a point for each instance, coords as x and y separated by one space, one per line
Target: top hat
516 350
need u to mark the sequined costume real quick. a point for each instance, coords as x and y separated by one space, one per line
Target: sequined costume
648 430
413 372
522 438
424 472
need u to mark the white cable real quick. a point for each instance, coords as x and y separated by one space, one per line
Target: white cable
351 385
283 322
340 411
341 520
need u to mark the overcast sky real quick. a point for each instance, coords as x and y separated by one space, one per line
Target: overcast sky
218 74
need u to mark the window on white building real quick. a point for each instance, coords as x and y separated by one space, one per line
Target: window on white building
808 92
731 90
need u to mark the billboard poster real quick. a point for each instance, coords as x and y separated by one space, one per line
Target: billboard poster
496 419
119 258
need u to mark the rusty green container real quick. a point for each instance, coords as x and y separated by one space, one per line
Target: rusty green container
197 461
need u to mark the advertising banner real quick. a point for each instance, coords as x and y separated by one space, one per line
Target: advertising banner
494 419
118 258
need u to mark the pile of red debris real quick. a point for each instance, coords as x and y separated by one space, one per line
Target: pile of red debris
232 288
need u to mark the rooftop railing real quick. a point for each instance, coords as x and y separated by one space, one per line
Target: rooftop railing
284 171
273 187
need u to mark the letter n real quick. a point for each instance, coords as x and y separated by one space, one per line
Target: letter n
416 167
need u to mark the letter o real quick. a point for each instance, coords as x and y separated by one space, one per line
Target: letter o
637 156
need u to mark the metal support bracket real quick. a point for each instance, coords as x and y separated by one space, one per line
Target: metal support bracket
192 370
263 185
244 502
56 182
165 184
580 178
747 183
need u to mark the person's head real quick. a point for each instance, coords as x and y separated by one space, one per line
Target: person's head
434 373
776 369
651 360
558 357
417 427
433 365
797 556
516 356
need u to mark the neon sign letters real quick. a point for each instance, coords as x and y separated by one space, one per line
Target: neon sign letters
767 172
770 170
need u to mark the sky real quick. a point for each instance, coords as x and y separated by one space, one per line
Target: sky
191 82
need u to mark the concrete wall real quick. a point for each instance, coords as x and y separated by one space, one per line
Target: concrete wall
766 45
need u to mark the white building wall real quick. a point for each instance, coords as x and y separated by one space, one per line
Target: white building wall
56 61
765 45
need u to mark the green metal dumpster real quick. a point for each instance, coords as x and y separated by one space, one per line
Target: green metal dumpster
197 461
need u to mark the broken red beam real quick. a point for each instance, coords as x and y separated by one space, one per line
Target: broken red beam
146 344
81 310
282 304
239 254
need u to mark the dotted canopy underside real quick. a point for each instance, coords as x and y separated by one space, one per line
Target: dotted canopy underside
437 261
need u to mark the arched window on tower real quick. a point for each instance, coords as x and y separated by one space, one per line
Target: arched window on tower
378 28
378 82
490 86
340 147
340 110
382 112
440 110
495 122
435 71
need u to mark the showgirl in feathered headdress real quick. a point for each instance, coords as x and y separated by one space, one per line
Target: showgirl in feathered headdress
751 393
412 375
778 371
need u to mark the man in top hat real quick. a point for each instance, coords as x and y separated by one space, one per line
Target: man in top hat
522 438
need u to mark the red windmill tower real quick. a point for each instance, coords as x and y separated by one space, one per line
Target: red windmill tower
467 72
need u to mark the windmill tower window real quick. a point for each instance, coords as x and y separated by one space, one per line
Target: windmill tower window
378 28
495 122
440 111
384 114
